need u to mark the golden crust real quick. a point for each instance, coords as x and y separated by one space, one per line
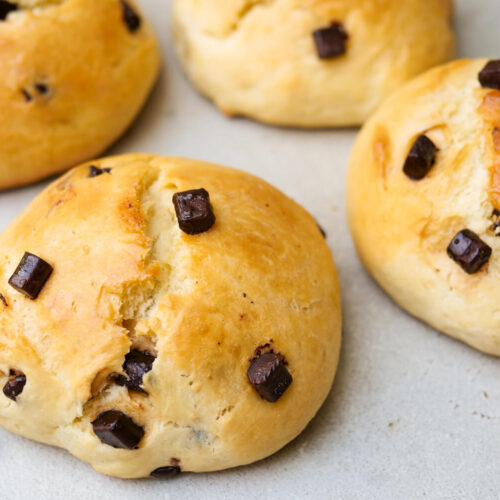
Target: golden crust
126 276
98 76
257 57
402 227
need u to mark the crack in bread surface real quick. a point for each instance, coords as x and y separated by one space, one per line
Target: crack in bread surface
139 300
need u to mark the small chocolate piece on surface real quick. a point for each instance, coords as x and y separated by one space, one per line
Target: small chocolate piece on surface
6 8
421 158
489 77
4 300
331 42
136 365
132 20
167 472
14 386
31 275
41 88
27 96
96 171
116 429
194 211
469 251
269 375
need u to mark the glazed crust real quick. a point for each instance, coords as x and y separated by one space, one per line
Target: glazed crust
257 57
97 76
402 227
126 277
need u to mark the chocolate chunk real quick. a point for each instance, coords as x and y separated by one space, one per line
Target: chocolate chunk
96 171
6 8
132 20
469 251
31 275
489 77
331 42
27 96
41 88
421 158
14 386
136 365
166 472
194 211
269 375
4 300
116 429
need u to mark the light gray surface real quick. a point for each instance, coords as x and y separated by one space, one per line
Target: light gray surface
412 413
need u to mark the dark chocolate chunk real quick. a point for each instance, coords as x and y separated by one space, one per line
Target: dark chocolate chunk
116 429
96 171
41 88
132 20
269 375
4 300
194 211
167 472
31 275
469 251
136 365
14 386
489 77
6 8
331 42
421 158
27 96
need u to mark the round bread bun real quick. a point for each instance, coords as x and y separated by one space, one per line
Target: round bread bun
425 218
75 73
258 283
326 63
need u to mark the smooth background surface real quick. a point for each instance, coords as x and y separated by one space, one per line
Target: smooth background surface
413 414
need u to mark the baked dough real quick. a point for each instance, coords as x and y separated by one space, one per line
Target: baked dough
258 57
74 75
410 233
126 279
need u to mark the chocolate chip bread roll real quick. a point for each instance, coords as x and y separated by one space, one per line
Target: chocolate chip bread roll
162 315
325 63
74 75
424 203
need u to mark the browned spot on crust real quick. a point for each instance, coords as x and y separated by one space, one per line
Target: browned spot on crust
131 214
495 186
382 150
490 107
496 139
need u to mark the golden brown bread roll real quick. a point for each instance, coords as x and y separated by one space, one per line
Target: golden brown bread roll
423 199
127 340
74 75
308 63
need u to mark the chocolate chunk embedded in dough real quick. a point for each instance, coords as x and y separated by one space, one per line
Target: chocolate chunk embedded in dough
469 251
116 429
31 275
269 375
